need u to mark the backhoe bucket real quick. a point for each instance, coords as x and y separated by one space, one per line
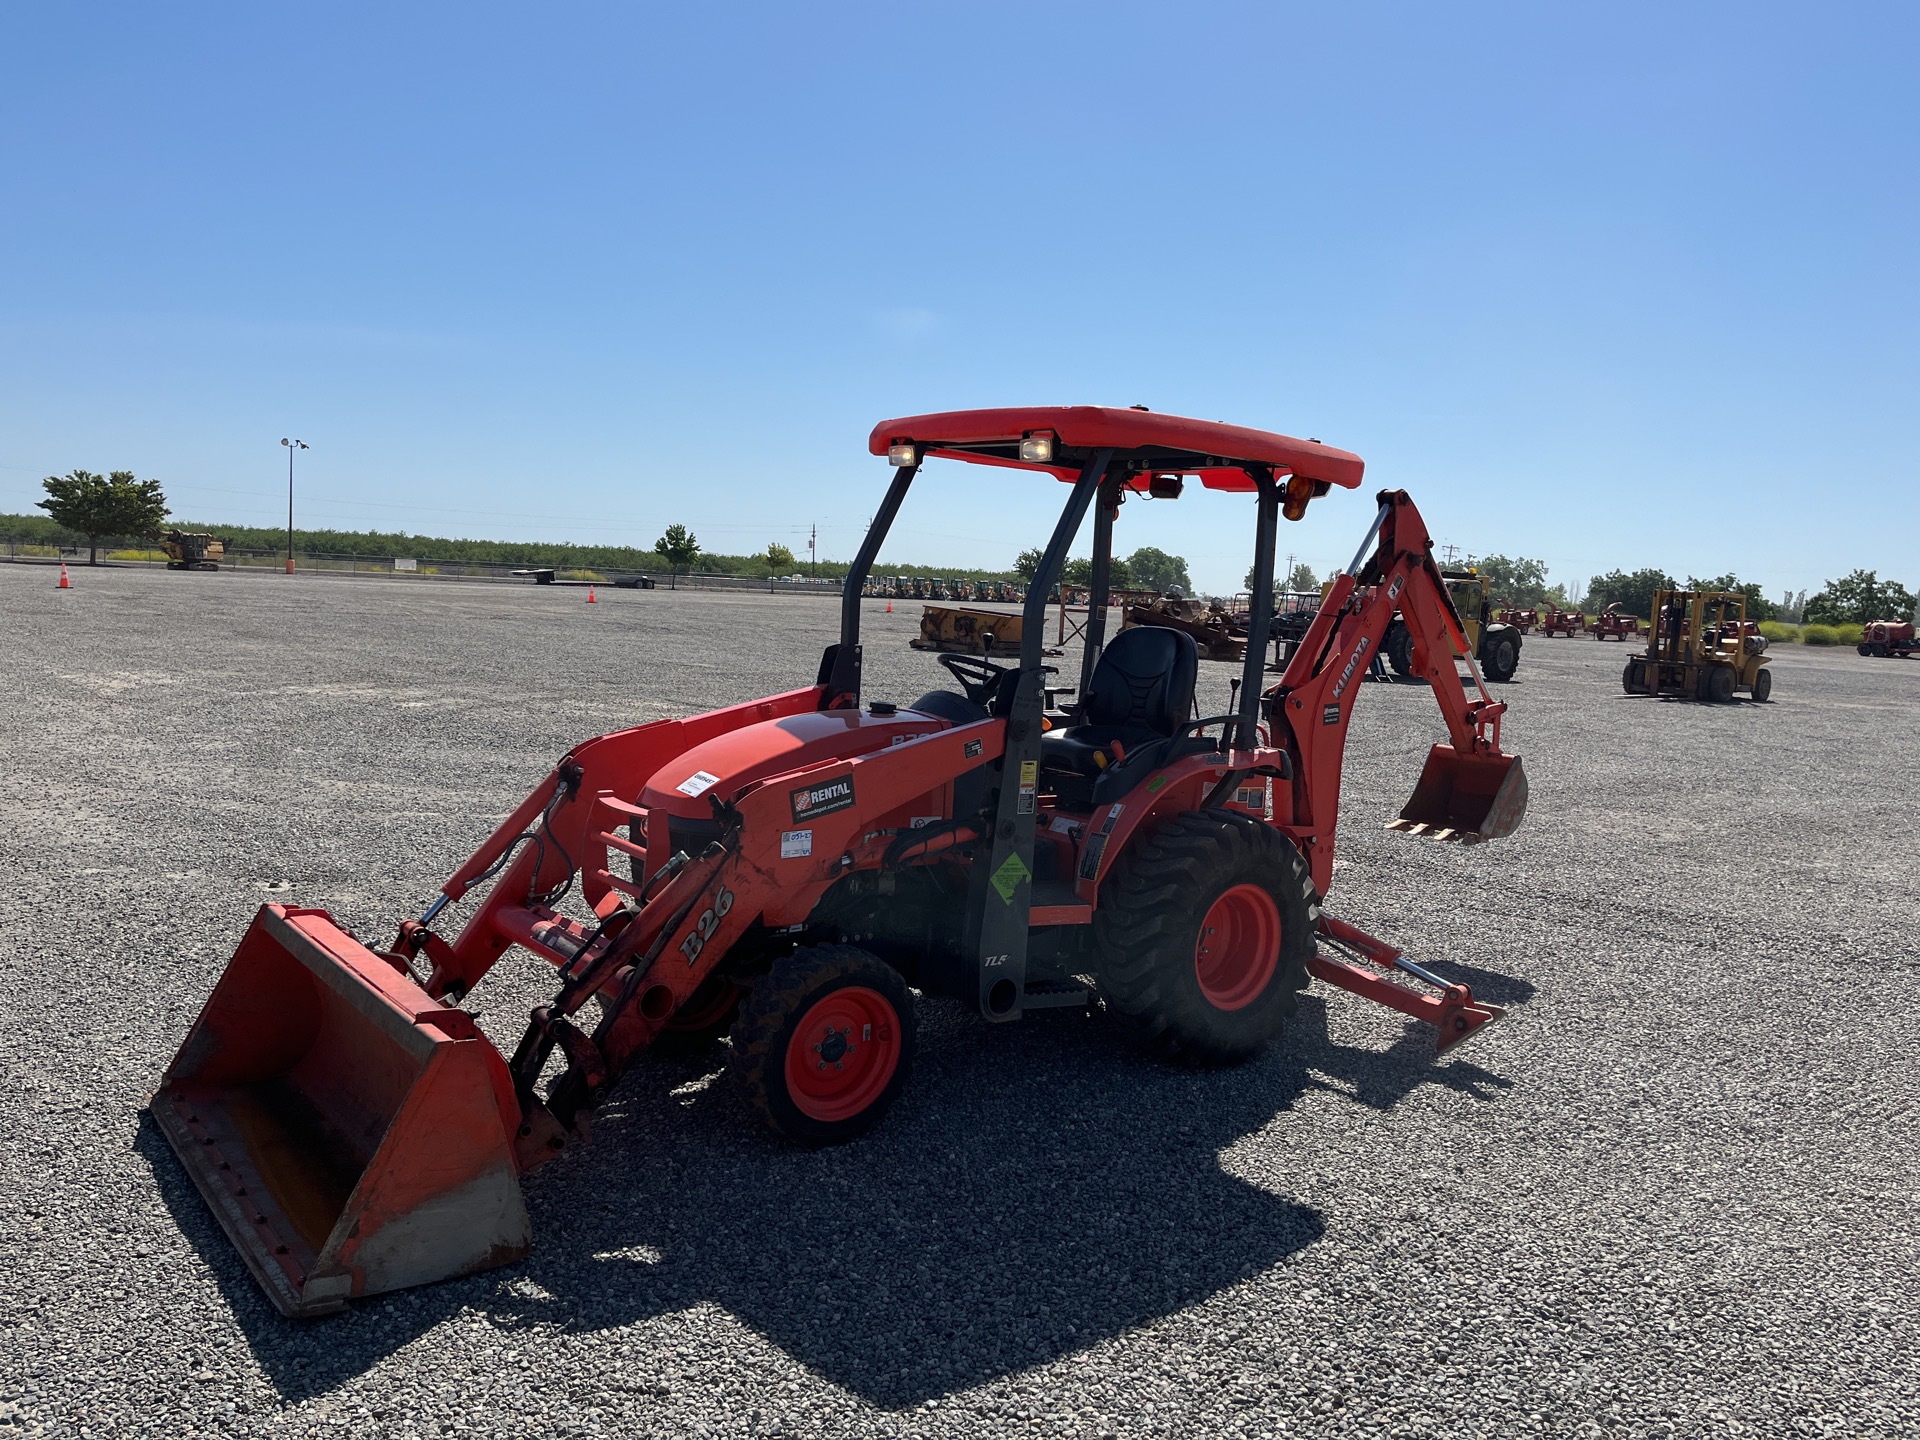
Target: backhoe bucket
350 1133
1465 798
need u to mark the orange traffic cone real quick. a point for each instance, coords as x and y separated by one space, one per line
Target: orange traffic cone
590 596
65 583
889 607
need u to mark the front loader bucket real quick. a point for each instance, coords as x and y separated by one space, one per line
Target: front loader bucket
1467 798
351 1134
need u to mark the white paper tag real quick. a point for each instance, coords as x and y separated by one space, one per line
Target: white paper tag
795 844
697 783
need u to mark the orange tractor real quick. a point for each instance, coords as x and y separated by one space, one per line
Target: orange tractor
794 868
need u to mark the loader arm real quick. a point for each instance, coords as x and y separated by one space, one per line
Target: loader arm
655 957
1469 790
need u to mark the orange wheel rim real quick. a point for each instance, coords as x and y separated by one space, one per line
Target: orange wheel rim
843 1054
1238 947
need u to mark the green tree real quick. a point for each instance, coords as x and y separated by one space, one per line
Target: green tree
1758 606
1156 570
1080 572
1027 563
678 547
1519 582
1858 598
1300 579
1633 593
779 558
101 506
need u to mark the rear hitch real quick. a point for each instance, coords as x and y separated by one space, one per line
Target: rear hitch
1453 1012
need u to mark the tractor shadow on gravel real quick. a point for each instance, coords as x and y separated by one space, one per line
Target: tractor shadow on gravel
1037 1190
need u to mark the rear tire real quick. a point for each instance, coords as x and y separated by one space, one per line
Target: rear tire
1398 648
1763 685
824 1043
1205 928
1499 655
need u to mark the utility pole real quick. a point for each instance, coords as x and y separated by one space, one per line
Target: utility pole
1449 554
292 445
813 547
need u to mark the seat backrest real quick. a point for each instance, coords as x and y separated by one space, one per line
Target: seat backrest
1144 677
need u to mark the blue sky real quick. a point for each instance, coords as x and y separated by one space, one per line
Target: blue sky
1611 285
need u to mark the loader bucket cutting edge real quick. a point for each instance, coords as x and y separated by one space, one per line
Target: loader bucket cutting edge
351 1134
1465 798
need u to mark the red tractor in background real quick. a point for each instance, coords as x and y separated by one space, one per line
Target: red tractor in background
793 868
1563 622
1610 624
1888 637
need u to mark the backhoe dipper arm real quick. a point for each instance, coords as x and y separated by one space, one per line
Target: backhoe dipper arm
1310 709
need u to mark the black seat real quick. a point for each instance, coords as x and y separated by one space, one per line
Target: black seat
1141 692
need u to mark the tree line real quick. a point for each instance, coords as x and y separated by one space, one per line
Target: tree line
119 505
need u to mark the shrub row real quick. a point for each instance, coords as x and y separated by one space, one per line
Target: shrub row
1781 634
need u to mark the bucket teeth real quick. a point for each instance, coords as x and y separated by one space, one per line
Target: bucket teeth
1446 834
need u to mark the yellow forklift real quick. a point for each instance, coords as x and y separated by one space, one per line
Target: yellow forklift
1701 647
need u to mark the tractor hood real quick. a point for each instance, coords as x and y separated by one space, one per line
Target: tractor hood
729 762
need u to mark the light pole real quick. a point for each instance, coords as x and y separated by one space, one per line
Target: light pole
292 445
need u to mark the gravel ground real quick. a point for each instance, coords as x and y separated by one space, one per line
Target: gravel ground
1673 1195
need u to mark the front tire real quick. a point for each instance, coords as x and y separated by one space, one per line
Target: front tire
824 1043
1500 655
1205 928
1716 684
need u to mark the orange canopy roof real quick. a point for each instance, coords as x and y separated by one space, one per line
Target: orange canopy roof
1146 444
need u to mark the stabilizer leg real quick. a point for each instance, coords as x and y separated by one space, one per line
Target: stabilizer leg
1453 1011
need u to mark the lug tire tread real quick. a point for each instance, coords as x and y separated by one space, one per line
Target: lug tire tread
1145 930
777 1001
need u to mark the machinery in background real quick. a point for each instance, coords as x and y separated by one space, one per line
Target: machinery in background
1610 624
193 550
1562 622
1494 643
956 630
1701 646
1888 638
1210 625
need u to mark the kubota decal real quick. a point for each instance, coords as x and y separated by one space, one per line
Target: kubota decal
813 801
1353 663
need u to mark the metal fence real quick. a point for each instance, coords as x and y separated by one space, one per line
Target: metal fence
131 552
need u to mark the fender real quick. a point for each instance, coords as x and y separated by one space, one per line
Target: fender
1180 787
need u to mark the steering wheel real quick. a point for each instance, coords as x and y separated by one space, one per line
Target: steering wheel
979 679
